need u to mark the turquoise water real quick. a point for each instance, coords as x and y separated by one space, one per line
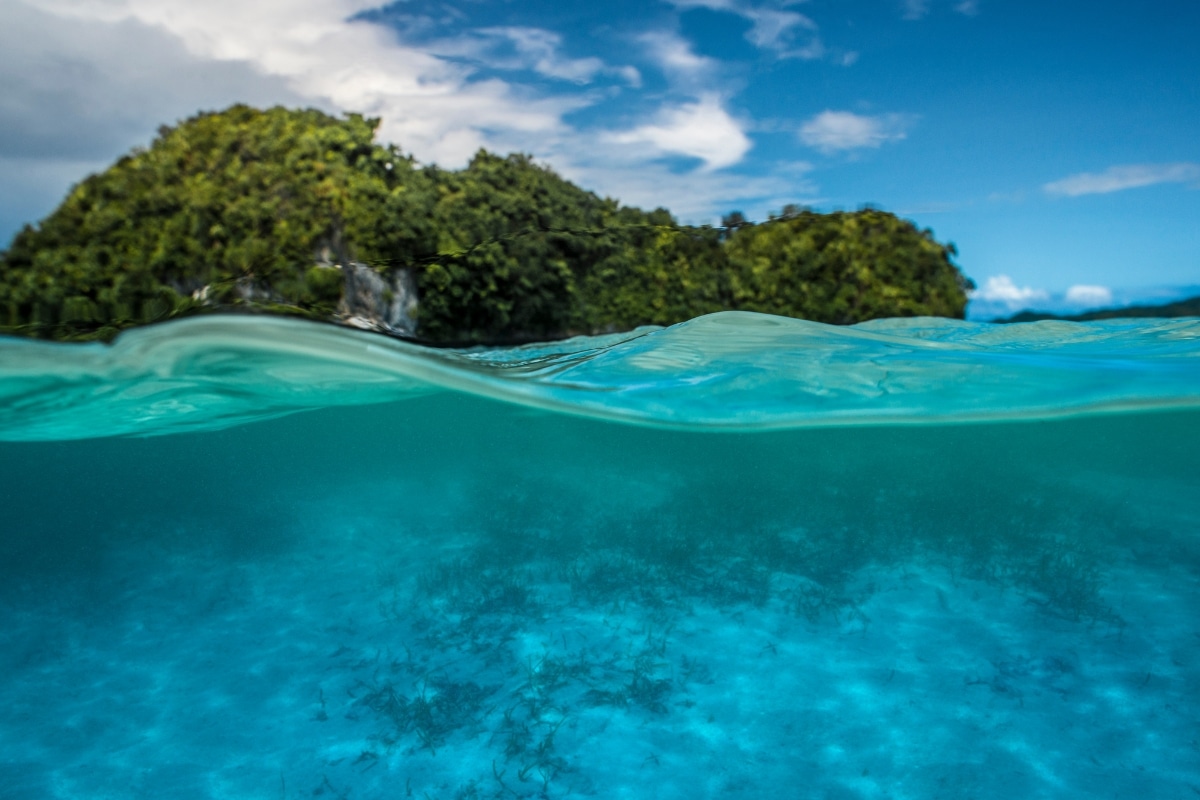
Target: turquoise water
741 557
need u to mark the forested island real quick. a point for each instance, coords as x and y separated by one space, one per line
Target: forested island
1188 307
298 212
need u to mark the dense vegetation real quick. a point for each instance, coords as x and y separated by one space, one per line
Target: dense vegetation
258 209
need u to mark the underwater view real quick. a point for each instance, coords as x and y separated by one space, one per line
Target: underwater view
739 557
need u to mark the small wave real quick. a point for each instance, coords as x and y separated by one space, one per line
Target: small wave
726 371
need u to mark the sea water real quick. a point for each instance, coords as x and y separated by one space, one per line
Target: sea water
743 557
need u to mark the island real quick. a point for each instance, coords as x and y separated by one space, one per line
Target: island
302 213
1188 307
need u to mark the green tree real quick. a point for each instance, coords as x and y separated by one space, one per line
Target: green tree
515 242
668 274
844 267
239 202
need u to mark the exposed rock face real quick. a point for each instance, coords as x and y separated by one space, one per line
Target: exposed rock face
385 302
379 301
248 290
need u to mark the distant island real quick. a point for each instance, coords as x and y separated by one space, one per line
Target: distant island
298 212
1189 307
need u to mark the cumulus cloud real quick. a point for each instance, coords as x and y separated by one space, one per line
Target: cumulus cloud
831 131
675 56
968 8
318 51
701 129
689 195
1086 295
775 30
1001 290
77 91
87 79
77 94
1128 176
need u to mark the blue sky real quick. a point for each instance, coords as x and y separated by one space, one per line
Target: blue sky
1055 143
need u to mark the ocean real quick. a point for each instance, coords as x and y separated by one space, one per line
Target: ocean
740 557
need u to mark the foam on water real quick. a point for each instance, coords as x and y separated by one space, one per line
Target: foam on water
733 370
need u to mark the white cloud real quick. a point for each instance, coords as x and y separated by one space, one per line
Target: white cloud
915 9
674 55
78 93
540 50
919 9
1000 289
773 30
113 70
1128 176
711 5
696 197
701 129
1086 295
526 48
773 26
430 106
75 89
830 131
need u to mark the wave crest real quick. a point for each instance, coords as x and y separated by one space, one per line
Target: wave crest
726 371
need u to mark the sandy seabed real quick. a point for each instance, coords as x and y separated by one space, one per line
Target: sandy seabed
358 661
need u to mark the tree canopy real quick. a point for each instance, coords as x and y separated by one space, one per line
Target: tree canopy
260 209
844 268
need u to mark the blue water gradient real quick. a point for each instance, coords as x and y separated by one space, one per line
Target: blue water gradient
465 575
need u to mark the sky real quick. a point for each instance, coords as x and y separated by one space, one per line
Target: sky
1056 144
